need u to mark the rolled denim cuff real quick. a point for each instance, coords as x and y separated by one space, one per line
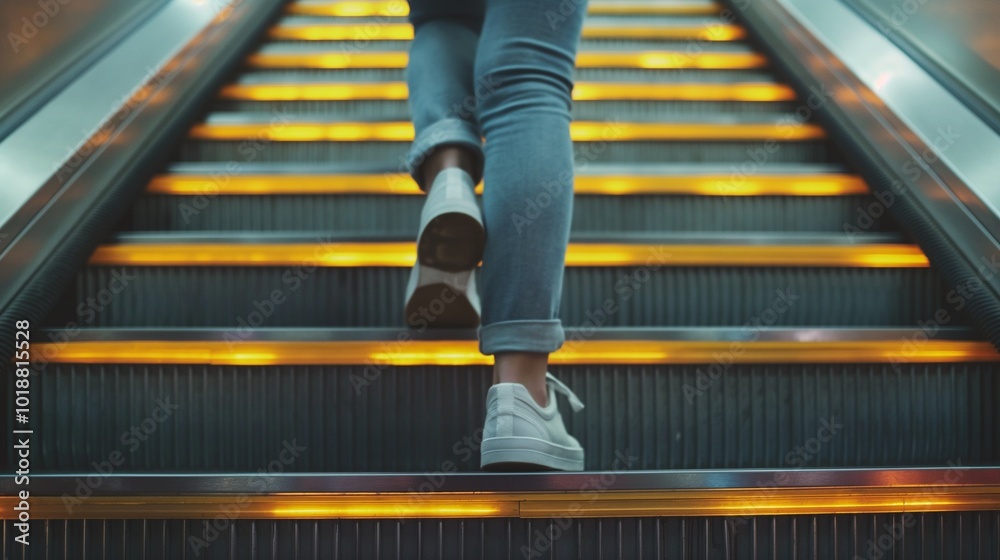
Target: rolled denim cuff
451 131
542 337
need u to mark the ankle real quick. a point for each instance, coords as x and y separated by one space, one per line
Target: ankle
526 368
446 157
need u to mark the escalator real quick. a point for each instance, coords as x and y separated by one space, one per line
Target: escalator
771 367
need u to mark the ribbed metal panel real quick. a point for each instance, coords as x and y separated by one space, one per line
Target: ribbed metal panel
924 536
413 419
373 297
379 153
400 215
639 111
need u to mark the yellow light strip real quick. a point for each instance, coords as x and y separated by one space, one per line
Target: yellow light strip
403 254
585 91
329 60
580 131
404 32
466 352
315 92
777 500
655 60
399 8
403 184
391 8
645 9
592 91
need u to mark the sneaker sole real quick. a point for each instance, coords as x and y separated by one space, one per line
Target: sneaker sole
527 453
456 314
446 299
452 241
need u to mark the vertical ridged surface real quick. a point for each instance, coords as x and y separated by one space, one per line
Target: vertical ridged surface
226 297
382 153
400 215
412 419
923 536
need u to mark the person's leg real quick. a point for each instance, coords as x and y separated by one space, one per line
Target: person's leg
446 160
526 53
441 93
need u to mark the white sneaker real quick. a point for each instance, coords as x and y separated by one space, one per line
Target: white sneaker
441 291
452 237
520 435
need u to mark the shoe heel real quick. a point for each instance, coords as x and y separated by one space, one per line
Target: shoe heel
439 299
452 241
452 237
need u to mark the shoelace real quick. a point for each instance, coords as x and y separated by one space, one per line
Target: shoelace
560 387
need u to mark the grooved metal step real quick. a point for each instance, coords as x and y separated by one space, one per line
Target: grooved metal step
354 201
398 400
205 280
677 110
740 153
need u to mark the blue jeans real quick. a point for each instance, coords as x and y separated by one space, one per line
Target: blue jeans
503 70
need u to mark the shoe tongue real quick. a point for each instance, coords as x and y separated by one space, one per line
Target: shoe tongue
560 387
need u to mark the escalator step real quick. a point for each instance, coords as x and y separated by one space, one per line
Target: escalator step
379 153
397 418
607 199
398 216
170 281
